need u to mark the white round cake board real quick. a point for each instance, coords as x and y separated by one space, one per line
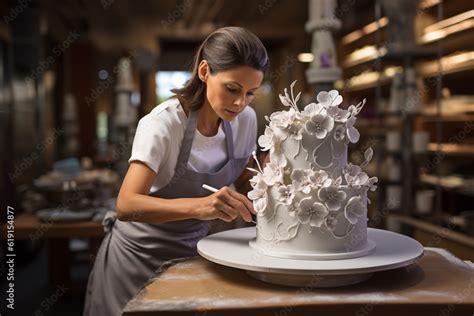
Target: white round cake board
231 248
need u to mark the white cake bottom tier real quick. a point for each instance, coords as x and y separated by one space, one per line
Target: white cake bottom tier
281 232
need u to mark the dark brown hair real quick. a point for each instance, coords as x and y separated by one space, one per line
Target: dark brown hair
223 49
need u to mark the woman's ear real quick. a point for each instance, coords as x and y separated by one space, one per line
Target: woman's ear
203 70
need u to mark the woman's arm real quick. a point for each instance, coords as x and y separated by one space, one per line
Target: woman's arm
134 203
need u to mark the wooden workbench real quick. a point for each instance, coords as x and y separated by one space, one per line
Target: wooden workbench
440 284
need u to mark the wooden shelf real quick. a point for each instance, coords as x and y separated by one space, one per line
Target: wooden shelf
452 149
455 183
381 23
433 33
440 231
447 27
448 118
454 63
450 64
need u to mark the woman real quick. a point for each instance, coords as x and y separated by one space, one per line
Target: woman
204 135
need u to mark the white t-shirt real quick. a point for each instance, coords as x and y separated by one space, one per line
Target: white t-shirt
159 135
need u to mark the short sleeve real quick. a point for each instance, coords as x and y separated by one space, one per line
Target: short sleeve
151 143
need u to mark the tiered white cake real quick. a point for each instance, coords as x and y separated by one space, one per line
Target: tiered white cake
310 202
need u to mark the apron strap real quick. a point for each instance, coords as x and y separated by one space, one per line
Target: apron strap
187 143
229 139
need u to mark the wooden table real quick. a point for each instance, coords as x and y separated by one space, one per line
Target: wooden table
30 227
440 284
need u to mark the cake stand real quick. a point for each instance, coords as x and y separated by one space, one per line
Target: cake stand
231 248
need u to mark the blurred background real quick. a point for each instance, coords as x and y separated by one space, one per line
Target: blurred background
76 76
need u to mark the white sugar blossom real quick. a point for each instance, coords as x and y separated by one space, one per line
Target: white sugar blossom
354 175
332 197
339 132
339 115
337 182
286 194
352 133
331 98
272 174
302 180
267 141
282 119
256 179
314 108
312 212
321 178
259 193
295 131
354 209
319 125
331 221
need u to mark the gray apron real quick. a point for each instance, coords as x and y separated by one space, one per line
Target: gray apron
131 252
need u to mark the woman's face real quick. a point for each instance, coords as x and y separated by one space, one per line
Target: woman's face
229 92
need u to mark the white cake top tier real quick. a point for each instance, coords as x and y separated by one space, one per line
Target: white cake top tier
308 150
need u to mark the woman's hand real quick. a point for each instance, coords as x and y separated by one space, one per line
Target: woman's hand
225 204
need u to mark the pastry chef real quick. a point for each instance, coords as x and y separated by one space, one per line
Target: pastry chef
205 134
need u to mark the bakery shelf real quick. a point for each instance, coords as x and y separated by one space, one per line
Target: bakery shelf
441 231
448 118
366 30
450 26
450 64
433 33
454 183
369 79
372 27
452 149
364 55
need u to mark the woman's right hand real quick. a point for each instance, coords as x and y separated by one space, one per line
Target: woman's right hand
225 204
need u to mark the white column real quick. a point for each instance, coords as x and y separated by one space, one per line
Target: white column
322 22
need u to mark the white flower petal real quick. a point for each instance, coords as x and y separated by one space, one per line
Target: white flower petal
353 135
321 134
333 205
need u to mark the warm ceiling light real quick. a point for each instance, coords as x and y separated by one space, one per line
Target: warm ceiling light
305 57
